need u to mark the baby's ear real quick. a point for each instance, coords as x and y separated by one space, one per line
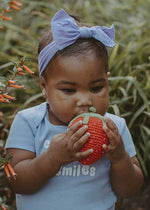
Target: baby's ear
42 83
43 86
108 73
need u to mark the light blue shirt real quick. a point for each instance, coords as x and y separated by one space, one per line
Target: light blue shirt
75 186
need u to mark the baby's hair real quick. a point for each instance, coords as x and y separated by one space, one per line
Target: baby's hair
82 45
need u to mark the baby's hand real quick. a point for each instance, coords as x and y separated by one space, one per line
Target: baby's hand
65 147
115 150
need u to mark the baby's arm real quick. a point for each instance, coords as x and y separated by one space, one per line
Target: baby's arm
33 172
126 175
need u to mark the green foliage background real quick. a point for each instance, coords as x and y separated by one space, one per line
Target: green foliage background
129 60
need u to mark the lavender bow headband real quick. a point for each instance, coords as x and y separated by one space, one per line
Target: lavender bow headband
65 32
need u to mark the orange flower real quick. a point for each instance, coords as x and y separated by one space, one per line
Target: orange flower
19 69
16 3
9 171
2 207
11 82
6 18
1 27
9 97
2 99
21 73
14 7
28 70
12 172
17 86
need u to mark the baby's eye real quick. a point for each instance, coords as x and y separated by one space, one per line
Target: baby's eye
96 89
68 90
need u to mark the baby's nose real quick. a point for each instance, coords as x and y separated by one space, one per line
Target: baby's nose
85 100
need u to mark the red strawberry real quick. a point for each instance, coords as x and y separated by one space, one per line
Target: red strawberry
97 137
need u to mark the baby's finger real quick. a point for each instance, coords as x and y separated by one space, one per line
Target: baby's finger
110 124
78 134
106 147
71 140
71 130
108 131
79 144
81 155
111 135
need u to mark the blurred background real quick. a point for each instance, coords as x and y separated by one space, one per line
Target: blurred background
129 63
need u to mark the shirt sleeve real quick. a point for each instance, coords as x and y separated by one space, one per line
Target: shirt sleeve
21 135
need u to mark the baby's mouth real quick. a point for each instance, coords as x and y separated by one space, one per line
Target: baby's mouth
81 112
86 110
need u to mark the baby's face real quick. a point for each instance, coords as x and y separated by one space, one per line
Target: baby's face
74 84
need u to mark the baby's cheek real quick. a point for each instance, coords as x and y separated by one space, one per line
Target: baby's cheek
102 107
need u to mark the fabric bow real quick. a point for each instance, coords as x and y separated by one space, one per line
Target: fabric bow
65 32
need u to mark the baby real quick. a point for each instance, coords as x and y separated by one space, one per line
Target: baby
74 74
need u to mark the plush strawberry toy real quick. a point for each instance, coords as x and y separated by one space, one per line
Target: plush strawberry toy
97 137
